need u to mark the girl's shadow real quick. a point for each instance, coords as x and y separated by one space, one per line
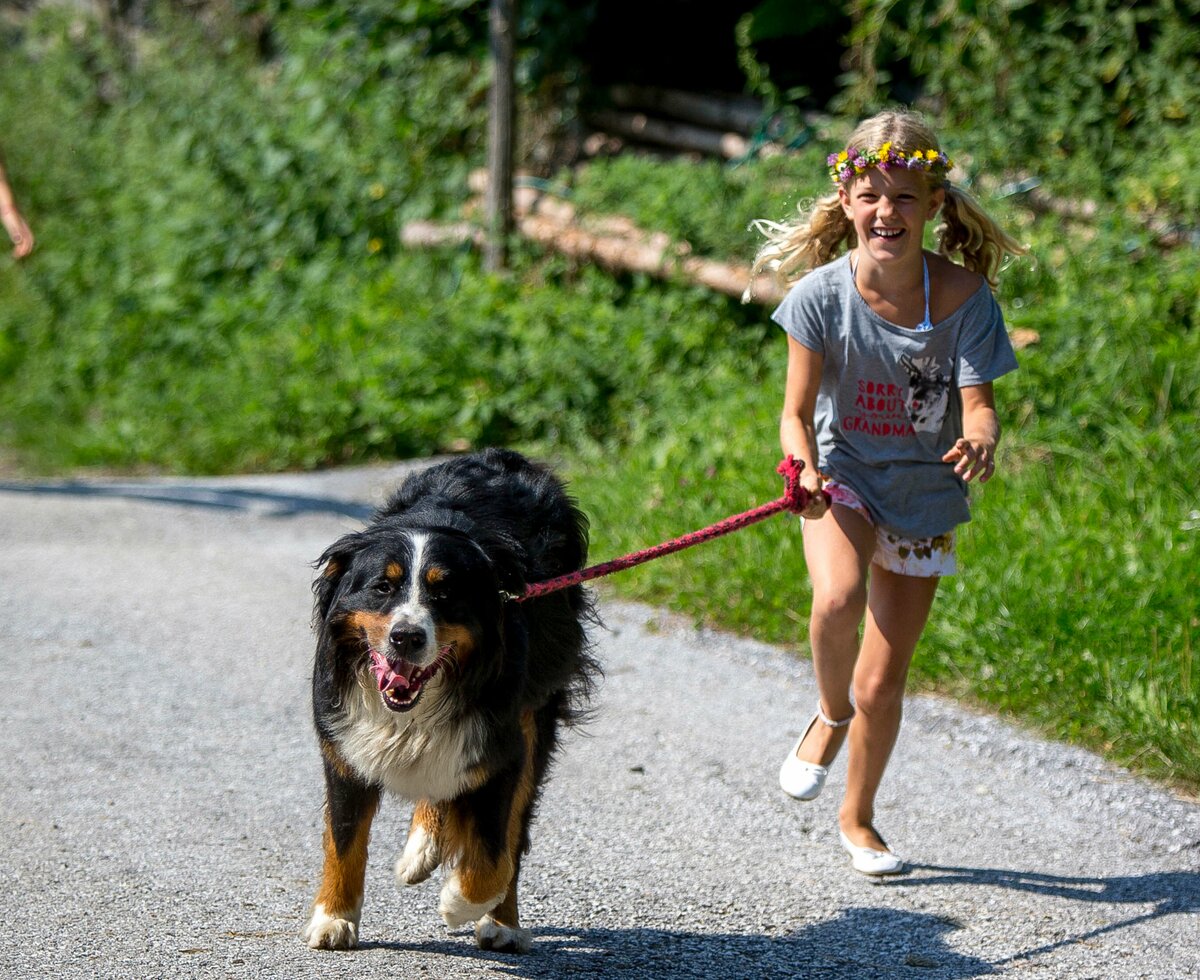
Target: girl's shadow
1168 892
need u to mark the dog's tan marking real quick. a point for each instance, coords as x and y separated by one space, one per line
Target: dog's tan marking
480 876
435 574
374 626
330 751
517 818
333 568
501 928
428 817
422 851
394 571
461 639
340 895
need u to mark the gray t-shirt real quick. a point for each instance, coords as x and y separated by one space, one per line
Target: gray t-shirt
889 406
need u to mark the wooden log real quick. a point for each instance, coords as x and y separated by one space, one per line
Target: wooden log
679 136
611 241
742 115
1029 193
430 234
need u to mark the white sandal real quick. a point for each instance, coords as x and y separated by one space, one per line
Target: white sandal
805 780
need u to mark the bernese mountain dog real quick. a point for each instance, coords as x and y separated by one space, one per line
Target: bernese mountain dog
430 682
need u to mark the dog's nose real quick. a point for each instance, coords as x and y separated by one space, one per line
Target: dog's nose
407 641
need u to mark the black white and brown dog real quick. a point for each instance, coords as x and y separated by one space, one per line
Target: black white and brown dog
432 684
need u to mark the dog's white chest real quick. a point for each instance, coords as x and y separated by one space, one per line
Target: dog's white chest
413 756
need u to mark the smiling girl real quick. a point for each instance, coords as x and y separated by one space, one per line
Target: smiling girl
892 351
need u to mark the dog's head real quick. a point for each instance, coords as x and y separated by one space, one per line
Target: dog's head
405 603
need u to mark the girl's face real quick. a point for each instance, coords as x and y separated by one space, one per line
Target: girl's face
889 210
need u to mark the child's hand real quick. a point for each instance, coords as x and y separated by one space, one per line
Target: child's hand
812 481
18 231
972 460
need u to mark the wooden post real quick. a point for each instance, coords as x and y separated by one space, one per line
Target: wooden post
501 115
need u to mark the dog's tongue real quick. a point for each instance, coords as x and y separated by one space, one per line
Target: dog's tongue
386 677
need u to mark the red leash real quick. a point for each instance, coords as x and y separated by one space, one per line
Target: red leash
794 499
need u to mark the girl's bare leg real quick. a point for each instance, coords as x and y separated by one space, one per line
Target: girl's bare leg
837 550
897 609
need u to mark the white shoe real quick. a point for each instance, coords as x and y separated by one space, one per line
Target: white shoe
868 861
805 780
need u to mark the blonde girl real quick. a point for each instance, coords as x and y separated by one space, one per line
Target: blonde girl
892 351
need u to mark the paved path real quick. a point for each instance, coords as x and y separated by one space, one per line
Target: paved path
160 794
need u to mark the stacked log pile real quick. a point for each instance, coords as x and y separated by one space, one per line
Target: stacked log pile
613 242
683 122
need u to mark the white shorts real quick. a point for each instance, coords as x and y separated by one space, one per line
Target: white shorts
919 557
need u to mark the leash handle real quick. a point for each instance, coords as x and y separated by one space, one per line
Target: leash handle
795 498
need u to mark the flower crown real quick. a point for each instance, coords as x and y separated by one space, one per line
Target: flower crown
852 162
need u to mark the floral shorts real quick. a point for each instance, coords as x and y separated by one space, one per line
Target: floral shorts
918 557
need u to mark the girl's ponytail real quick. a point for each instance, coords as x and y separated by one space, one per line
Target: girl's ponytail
969 230
796 247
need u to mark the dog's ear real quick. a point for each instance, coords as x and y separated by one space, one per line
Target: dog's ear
506 557
332 566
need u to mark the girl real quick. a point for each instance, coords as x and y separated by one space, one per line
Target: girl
892 351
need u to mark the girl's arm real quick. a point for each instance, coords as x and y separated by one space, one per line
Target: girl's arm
974 455
11 218
797 433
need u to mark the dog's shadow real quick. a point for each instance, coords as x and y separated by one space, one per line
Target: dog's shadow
868 941
861 941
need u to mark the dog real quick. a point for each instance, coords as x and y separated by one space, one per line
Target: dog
929 394
431 683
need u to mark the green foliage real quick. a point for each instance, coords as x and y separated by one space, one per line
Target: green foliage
707 204
1097 97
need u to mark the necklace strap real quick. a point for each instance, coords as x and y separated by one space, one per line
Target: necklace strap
926 324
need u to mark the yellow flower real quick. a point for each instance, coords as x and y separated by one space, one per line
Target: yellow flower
377 191
931 154
843 156
374 245
883 150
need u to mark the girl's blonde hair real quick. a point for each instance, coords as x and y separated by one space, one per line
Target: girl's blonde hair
819 234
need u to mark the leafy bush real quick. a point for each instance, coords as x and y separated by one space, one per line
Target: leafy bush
1097 97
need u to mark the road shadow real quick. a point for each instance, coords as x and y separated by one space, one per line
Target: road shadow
1167 892
859 942
210 497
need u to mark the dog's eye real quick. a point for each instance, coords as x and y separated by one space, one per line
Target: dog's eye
383 587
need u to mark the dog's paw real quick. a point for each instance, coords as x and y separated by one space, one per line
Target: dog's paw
326 931
457 911
420 857
490 934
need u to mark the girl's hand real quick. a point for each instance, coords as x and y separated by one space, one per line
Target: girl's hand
972 459
813 481
18 231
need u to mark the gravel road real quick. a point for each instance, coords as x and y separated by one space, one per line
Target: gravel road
160 801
